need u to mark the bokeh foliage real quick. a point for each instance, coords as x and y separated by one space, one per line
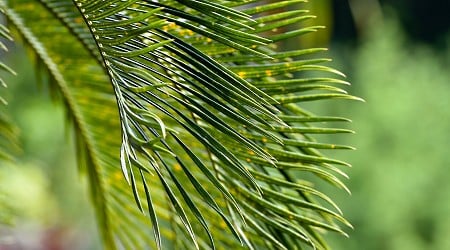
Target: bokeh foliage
400 186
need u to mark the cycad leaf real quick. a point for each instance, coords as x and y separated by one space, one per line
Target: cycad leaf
213 134
8 132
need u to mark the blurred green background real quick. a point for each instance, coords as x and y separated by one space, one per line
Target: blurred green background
397 56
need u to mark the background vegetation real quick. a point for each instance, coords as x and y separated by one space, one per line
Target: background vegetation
399 64
397 59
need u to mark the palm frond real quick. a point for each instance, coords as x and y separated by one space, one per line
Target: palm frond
61 65
8 132
213 139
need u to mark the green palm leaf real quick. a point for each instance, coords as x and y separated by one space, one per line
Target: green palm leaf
8 135
185 112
